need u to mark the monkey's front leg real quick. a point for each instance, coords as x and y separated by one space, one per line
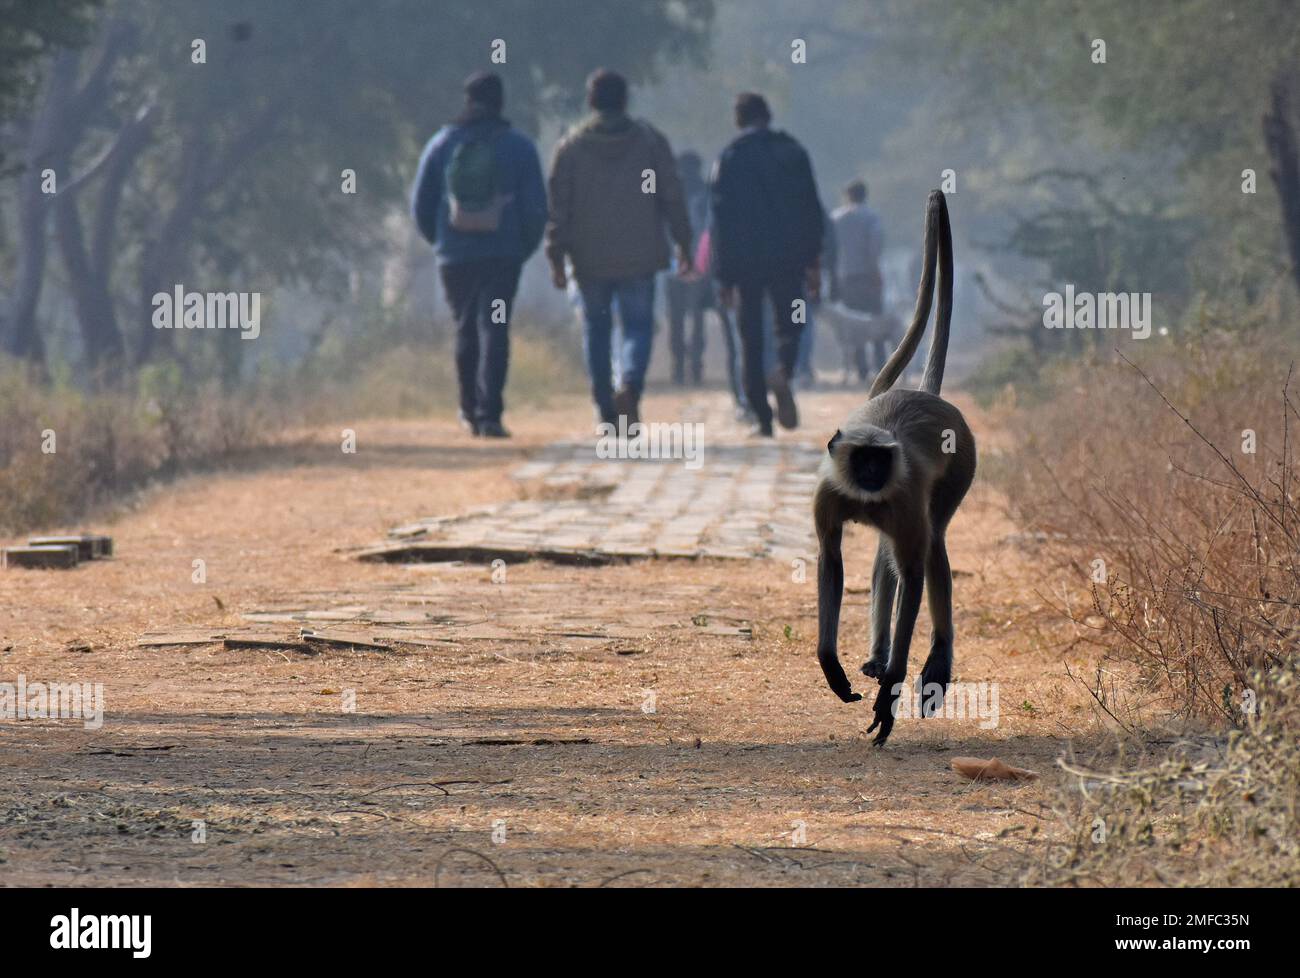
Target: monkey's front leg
884 582
912 577
830 592
937 671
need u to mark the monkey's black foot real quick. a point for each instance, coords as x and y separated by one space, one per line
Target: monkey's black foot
936 676
834 672
885 707
875 668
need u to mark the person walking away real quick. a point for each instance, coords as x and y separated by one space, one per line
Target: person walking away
804 371
613 191
860 242
766 232
689 296
703 256
480 200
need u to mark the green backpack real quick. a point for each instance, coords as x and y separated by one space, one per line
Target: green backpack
473 189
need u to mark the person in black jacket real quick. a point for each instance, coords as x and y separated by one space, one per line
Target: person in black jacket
766 236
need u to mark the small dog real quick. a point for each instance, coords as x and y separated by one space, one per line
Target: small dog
865 339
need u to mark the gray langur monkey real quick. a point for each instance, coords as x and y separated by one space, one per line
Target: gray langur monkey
901 463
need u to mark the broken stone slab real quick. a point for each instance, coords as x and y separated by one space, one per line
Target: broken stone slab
277 644
420 552
340 639
408 531
158 640
684 551
52 557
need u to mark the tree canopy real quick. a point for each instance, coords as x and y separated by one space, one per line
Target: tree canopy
206 141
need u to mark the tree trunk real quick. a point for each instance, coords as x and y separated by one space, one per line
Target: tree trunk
101 338
47 142
19 337
55 132
90 269
1283 150
165 258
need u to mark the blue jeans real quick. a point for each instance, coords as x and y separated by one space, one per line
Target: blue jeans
636 302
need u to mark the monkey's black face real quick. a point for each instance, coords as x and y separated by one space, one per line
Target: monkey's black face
870 466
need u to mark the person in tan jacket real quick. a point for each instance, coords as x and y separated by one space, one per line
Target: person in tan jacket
614 197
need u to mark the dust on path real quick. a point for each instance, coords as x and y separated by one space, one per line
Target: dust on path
540 755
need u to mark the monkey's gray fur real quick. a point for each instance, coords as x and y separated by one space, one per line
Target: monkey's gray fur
901 463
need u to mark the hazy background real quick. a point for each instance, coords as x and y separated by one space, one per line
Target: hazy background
226 175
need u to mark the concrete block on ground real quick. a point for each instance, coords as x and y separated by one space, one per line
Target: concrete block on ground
89 545
59 557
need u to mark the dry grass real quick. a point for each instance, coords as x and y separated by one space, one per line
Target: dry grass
1213 812
159 425
1140 479
63 451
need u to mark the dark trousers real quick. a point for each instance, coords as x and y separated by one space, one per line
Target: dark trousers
687 298
481 294
784 288
696 297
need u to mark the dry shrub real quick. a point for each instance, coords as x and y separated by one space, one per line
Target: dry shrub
161 423
111 442
1214 812
1137 478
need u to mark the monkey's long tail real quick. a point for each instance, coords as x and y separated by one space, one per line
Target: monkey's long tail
938 251
938 357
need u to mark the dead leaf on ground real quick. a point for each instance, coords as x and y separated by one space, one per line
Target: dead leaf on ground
990 770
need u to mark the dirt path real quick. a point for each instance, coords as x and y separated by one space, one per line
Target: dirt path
674 756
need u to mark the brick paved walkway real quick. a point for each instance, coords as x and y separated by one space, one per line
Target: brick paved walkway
462 604
743 500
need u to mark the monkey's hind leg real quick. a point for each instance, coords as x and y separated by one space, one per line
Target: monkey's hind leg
884 582
911 584
936 674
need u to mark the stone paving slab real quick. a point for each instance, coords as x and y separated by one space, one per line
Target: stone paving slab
744 500
464 604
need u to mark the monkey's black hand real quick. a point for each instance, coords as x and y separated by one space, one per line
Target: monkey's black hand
885 706
834 672
845 692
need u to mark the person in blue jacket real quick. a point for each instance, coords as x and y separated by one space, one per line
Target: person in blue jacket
480 200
